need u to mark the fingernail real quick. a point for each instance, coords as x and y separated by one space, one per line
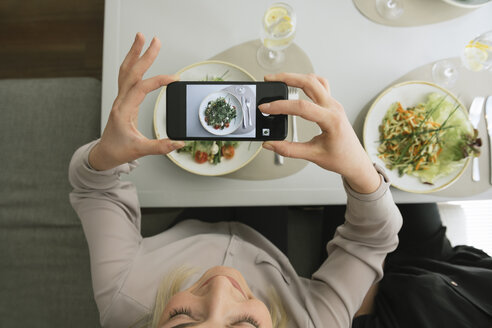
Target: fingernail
268 146
268 76
264 106
177 144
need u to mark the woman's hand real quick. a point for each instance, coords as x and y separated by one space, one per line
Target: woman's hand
337 148
121 141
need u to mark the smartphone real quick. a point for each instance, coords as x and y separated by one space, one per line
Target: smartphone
224 110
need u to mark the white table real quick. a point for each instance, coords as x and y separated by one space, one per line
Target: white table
358 56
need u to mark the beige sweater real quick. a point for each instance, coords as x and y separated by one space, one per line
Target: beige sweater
127 268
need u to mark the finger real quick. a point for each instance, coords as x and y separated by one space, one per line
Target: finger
143 64
137 94
160 147
309 83
134 53
302 150
324 83
305 109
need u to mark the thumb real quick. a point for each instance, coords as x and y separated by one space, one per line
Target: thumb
161 147
290 149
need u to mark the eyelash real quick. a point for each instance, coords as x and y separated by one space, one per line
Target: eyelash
176 312
187 311
248 319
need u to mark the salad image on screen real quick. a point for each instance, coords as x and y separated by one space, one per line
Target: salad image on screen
219 113
223 110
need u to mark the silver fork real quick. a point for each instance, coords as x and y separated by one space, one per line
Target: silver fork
293 95
475 113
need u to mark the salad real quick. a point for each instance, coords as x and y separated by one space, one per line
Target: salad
429 140
216 78
219 113
209 151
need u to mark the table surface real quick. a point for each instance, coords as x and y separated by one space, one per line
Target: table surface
359 58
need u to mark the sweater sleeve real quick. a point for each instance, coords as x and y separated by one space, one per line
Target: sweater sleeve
355 255
110 214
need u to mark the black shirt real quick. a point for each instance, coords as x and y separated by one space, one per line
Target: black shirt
431 284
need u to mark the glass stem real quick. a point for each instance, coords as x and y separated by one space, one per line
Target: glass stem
391 4
448 72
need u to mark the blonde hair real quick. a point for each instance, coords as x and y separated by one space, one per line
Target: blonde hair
173 282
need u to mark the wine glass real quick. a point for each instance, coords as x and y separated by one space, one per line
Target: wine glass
389 9
277 33
445 73
477 56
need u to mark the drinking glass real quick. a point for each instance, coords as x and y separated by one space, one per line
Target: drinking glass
477 56
277 33
389 9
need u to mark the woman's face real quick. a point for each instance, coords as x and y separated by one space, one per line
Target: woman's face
220 298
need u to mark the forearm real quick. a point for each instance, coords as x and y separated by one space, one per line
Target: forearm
98 161
89 185
110 214
364 179
356 253
372 222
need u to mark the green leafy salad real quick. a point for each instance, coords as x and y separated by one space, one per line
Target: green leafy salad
209 151
219 113
429 141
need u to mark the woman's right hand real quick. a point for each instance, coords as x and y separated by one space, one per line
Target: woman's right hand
121 141
337 148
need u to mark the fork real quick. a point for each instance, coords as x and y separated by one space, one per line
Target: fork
248 103
475 114
293 95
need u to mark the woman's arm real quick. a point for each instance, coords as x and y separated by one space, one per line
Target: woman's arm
357 251
356 254
107 207
110 215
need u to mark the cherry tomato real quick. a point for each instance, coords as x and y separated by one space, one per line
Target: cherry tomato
201 157
227 125
227 151
216 127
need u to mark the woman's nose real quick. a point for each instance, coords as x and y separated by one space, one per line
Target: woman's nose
221 288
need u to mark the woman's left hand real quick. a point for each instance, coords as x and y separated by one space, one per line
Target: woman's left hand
121 141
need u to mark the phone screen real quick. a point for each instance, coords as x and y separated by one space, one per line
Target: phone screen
224 110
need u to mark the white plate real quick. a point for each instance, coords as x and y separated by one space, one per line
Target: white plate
467 3
245 152
231 100
408 94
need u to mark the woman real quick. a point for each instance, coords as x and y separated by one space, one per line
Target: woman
200 274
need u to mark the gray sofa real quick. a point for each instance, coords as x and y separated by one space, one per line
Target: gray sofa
44 274
44 259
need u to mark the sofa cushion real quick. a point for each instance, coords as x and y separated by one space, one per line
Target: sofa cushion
44 260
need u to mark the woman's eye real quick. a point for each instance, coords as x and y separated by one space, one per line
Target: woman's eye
247 321
180 311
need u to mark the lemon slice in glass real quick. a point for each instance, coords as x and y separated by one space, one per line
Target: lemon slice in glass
475 55
274 14
283 28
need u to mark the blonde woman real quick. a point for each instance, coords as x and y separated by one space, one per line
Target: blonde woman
226 274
